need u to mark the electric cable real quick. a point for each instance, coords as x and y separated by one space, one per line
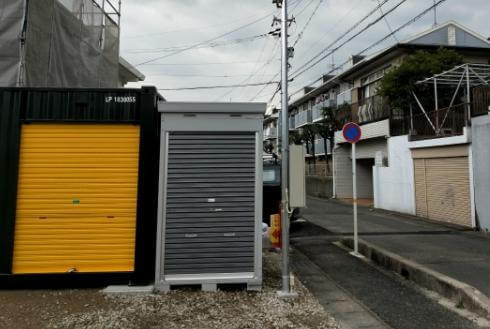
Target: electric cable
219 86
369 25
409 22
205 42
210 45
388 23
300 34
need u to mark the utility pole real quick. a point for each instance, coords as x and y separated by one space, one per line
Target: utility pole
286 275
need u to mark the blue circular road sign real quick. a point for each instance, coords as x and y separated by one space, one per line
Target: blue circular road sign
352 132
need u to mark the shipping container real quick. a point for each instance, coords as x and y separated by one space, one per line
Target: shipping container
79 184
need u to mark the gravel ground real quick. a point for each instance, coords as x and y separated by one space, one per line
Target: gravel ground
181 308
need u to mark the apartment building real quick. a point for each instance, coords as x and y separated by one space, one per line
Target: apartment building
400 156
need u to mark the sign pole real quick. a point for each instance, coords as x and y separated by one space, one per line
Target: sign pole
352 133
354 198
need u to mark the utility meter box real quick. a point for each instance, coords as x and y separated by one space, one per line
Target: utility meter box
297 183
210 195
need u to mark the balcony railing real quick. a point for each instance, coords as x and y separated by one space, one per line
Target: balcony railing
270 133
317 114
292 122
320 147
317 111
370 109
303 118
443 123
344 97
481 100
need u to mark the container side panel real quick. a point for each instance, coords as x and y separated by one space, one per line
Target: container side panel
10 108
72 105
145 252
76 206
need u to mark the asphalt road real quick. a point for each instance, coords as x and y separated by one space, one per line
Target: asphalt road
396 302
464 256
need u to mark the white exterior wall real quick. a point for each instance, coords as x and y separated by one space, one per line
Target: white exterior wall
370 130
394 187
480 171
343 167
343 171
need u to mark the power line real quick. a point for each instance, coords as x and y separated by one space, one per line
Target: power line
304 68
271 82
210 45
201 64
205 42
296 42
199 75
300 34
409 22
347 32
318 41
271 58
212 39
304 8
387 23
254 70
219 87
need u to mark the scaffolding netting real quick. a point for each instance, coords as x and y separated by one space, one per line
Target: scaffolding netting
58 43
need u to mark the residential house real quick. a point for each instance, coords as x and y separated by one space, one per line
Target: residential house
404 164
417 170
308 109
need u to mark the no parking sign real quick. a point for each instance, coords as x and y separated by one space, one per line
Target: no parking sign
352 133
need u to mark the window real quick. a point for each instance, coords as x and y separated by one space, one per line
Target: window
271 175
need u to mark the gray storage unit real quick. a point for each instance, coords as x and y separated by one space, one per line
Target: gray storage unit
210 198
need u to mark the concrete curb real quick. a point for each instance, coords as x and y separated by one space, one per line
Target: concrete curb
461 293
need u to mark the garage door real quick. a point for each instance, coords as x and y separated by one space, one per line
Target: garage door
76 208
210 213
442 189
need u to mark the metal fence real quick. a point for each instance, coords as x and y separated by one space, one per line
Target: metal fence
481 100
440 123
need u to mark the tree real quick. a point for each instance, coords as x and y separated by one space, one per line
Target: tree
333 120
397 85
309 135
295 138
268 147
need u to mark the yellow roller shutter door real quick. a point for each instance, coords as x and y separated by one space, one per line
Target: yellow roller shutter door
76 207
442 188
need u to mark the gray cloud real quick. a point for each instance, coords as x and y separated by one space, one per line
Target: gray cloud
151 24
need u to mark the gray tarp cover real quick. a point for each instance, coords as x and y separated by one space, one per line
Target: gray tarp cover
69 43
11 22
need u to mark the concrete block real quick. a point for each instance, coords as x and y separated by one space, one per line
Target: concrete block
128 290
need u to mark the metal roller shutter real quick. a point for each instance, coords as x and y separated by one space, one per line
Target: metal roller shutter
76 208
420 188
210 206
442 188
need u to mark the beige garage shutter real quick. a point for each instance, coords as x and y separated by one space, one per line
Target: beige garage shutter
442 189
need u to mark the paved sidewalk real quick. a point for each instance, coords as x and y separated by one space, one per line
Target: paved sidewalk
348 311
464 256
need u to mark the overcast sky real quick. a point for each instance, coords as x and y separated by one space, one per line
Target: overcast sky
151 29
